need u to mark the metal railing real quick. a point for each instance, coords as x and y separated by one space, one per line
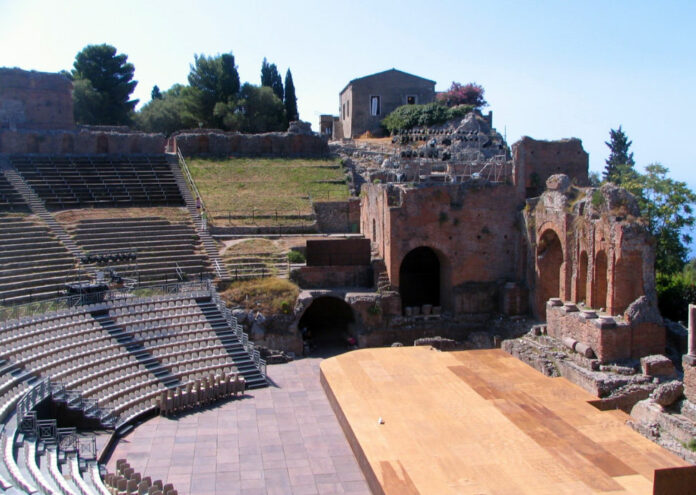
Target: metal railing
189 178
248 345
28 310
47 430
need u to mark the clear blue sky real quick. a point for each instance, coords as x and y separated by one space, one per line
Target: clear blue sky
550 69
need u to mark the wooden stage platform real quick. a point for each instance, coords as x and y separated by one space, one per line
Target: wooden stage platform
483 422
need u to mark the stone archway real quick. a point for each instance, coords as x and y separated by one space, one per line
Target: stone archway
328 322
549 259
599 281
419 278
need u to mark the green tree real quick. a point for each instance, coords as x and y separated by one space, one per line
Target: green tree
620 164
290 98
103 85
156 94
213 80
667 206
259 110
271 77
172 111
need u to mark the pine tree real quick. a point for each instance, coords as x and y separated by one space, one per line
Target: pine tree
103 85
620 162
290 98
156 94
271 77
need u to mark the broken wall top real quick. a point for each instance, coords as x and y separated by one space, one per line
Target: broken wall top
35 100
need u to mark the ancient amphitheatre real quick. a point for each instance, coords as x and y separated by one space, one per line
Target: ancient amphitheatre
540 364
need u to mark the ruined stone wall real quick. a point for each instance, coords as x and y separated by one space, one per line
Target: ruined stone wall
611 339
474 228
588 246
80 141
328 277
535 161
217 142
338 216
35 100
338 252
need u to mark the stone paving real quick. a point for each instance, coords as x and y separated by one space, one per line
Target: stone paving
280 440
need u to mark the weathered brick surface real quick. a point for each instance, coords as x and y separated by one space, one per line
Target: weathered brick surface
217 142
35 100
336 252
535 161
473 229
79 141
609 341
325 277
656 365
338 216
689 364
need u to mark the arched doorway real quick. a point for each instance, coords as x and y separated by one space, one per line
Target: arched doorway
599 284
327 324
549 258
419 278
581 288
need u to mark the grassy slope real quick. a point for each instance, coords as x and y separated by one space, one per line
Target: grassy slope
239 185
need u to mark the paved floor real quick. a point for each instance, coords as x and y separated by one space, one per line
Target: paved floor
280 440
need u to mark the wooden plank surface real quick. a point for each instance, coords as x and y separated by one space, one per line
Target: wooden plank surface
481 422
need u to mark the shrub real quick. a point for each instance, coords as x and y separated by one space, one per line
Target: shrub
463 94
409 116
296 257
674 294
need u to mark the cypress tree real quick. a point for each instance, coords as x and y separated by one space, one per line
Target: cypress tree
620 162
290 98
271 77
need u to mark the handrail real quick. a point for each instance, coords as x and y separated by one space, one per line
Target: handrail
67 302
189 178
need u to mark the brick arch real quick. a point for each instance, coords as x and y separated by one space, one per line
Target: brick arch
600 280
443 276
549 259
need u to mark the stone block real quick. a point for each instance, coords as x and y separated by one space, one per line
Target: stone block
584 350
668 393
656 365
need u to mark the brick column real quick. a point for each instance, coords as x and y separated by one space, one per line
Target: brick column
689 360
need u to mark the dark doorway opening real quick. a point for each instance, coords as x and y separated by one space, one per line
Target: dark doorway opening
326 326
549 262
419 278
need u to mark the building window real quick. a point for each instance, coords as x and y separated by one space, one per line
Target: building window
375 106
343 111
411 99
348 108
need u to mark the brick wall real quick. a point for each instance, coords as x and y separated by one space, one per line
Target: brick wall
338 252
610 339
216 142
328 277
475 230
35 100
535 161
79 141
338 216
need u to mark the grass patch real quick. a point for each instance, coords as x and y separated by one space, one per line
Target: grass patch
173 214
268 295
236 186
252 246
